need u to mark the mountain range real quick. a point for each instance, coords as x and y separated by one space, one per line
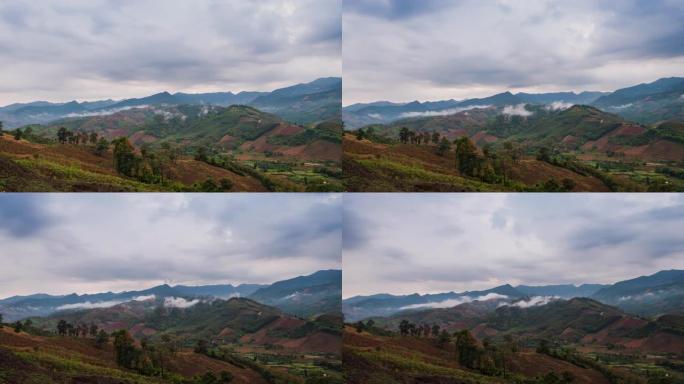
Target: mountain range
657 294
304 296
307 103
644 103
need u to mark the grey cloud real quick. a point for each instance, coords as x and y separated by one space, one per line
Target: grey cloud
508 238
102 49
21 216
400 51
119 241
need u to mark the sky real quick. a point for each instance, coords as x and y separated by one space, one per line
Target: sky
59 50
404 50
87 243
431 243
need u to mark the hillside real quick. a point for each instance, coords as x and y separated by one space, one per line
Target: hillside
305 296
28 359
307 103
34 167
238 322
370 358
387 167
657 294
361 307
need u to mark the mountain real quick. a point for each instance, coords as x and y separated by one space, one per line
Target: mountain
359 115
304 296
307 103
660 293
18 307
222 321
649 103
238 128
565 291
361 307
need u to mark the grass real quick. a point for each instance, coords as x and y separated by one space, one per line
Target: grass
75 174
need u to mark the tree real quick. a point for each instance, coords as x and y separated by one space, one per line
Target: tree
202 154
0 313
93 137
202 347
360 134
435 330
101 339
443 147
18 134
568 184
62 135
125 159
370 323
359 326
444 338
101 147
225 377
544 154
543 347
404 327
124 348
62 328
93 330
466 156
1 126
18 327
435 137
466 347
404 135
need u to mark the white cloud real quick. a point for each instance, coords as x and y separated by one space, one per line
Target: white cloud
558 105
516 110
534 301
144 297
90 305
179 302
454 302
443 112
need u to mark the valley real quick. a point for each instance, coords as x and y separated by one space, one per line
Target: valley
285 140
627 140
628 332
178 334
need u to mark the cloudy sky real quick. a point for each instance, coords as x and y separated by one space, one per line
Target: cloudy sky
403 50
59 50
84 243
429 243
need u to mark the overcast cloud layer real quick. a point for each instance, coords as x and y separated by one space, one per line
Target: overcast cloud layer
96 49
403 50
85 243
429 243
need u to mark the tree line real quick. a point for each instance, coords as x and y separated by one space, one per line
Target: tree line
488 358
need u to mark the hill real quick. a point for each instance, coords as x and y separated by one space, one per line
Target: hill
369 166
305 296
361 307
33 167
647 103
18 307
657 294
317 101
26 358
372 358
308 296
